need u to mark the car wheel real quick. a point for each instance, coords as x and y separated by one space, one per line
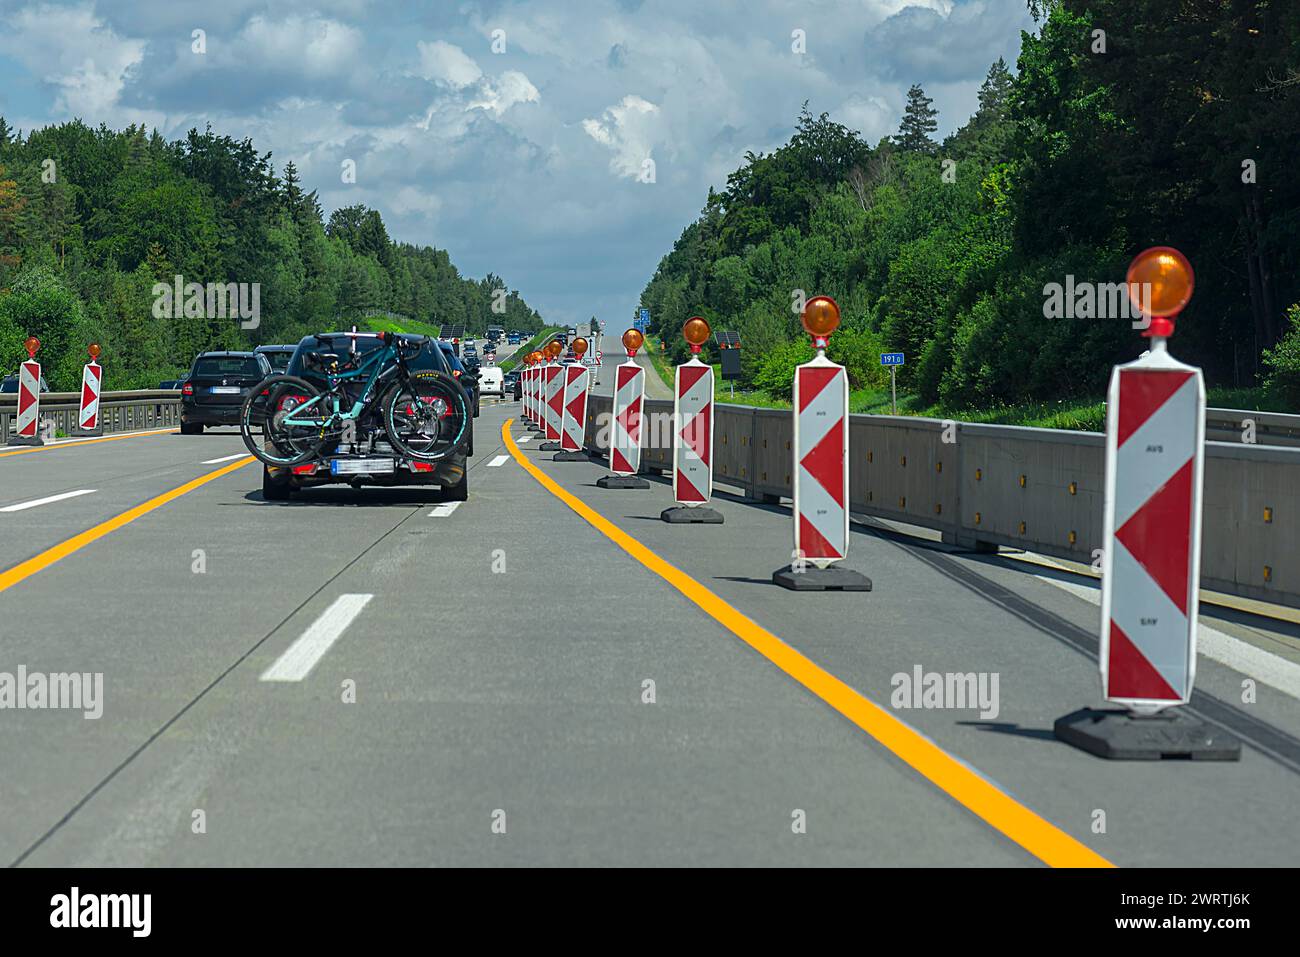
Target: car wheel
191 428
274 490
458 492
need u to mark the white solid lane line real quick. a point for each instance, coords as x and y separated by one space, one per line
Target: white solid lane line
46 501
442 511
299 659
228 458
498 461
1273 670
524 438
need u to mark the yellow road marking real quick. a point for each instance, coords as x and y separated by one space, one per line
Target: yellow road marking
1036 835
70 445
62 550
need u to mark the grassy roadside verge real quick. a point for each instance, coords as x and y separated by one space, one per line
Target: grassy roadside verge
659 361
528 347
411 328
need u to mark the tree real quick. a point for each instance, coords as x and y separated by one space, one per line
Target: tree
918 123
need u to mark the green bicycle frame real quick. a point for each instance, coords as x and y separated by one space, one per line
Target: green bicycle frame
377 363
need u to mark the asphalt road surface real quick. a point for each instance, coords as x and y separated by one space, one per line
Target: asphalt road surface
655 387
549 674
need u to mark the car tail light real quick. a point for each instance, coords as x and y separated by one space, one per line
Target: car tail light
421 467
187 388
307 469
289 402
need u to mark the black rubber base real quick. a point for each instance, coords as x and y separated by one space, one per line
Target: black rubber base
79 432
37 439
569 457
621 481
549 447
812 578
1123 736
687 515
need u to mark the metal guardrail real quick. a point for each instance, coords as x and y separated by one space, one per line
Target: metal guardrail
1037 489
119 411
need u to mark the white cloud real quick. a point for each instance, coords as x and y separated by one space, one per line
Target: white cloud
314 45
497 96
409 200
629 129
76 53
447 63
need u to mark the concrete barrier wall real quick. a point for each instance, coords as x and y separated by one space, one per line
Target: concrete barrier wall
1041 490
119 411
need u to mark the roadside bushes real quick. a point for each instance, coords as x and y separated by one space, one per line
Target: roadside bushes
1283 362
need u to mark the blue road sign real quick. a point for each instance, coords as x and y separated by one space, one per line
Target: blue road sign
643 316
891 358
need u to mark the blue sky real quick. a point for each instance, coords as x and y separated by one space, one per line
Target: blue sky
523 159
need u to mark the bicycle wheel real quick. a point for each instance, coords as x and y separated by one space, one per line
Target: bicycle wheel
426 417
283 443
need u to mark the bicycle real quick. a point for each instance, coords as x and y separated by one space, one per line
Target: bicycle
425 414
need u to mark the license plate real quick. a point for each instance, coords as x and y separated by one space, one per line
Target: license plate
225 390
356 466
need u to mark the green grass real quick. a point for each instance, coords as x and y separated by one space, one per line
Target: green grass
659 361
528 347
411 328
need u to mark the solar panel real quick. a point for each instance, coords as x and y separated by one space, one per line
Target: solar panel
727 339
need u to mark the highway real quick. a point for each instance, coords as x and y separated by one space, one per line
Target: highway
370 677
655 387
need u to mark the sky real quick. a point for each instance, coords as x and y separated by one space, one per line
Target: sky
513 133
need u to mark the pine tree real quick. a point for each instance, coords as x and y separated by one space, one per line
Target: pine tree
995 92
918 123
5 132
292 186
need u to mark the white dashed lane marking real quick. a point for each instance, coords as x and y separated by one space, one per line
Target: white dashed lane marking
297 662
21 506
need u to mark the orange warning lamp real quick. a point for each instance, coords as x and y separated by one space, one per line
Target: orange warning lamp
553 349
94 350
31 345
696 331
632 341
579 346
820 317
1160 283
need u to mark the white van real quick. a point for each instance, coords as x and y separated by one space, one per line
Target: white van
491 381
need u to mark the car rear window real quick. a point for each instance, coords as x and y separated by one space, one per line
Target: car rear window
227 365
279 360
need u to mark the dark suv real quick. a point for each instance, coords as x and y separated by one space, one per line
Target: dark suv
214 391
371 460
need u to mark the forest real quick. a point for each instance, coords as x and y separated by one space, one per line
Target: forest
92 220
1124 124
